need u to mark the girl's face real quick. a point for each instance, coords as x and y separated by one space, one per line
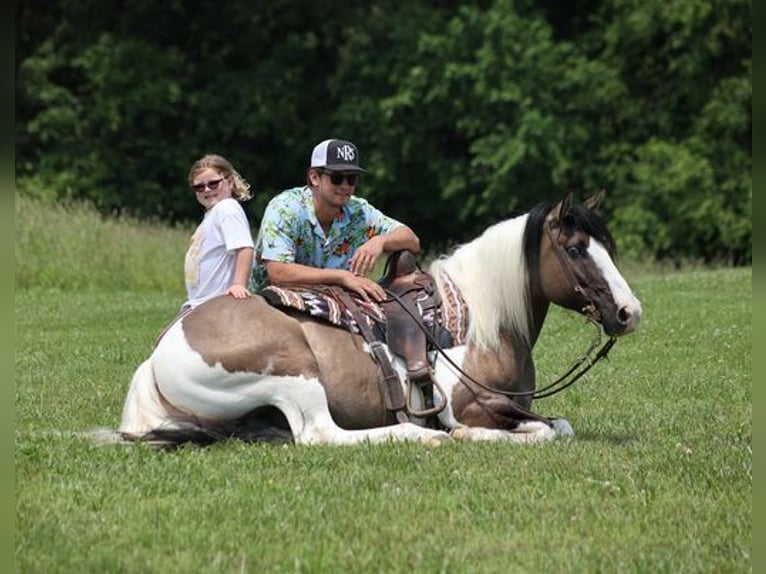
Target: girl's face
210 187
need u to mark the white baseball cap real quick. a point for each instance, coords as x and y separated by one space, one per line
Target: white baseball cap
336 155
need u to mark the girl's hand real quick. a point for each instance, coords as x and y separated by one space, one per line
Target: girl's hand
238 292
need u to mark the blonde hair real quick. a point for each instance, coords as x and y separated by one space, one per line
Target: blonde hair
240 190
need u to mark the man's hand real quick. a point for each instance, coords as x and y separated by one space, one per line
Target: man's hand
363 262
366 288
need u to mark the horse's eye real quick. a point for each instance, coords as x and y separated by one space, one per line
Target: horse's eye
574 251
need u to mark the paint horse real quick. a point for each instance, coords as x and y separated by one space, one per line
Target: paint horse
246 369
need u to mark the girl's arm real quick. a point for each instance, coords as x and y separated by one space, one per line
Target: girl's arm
242 269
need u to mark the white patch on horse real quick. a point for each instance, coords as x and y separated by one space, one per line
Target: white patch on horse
621 292
448 376
184 379
192 385
526 432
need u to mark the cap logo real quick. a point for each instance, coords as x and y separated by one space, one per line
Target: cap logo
346 153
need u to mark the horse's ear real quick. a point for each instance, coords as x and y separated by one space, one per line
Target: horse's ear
559 212
592 203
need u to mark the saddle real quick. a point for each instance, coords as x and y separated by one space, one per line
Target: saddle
412 296
412 292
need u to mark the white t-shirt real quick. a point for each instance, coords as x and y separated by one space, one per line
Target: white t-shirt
211 259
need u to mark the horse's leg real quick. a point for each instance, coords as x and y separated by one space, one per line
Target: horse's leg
525 432
485 416
497 418
304 404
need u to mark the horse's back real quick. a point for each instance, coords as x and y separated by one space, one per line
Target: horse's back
207 366
248 335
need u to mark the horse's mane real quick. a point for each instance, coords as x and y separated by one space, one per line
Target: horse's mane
497 271
491 273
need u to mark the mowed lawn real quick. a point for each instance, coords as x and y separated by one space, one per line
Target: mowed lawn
657 479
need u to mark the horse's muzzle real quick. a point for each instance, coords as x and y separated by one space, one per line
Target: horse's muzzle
625 319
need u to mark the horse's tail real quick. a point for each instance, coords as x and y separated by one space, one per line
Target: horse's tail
144 409
146 416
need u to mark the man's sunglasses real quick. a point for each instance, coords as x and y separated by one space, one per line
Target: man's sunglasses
337 177
211 185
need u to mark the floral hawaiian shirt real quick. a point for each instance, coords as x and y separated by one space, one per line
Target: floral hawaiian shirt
291 233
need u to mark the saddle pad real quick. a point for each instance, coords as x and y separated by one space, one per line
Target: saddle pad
455 311
325 307
322 306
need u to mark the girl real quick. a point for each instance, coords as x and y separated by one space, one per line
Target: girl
220 255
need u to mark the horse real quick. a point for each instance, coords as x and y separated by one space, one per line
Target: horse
245 369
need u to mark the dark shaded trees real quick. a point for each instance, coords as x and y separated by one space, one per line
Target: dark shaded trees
464 112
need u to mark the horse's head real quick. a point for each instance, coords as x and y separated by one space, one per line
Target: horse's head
577 270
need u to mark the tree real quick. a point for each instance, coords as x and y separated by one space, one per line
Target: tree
464 112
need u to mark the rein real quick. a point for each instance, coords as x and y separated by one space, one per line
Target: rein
546 391
576 371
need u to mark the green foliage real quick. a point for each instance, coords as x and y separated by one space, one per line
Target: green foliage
684 190
463 112
658 477
71 246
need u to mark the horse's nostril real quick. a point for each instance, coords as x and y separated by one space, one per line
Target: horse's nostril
624 315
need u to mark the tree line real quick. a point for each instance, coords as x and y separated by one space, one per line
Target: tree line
464 113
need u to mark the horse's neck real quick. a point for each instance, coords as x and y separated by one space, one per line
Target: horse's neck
495 318
539 308
538 304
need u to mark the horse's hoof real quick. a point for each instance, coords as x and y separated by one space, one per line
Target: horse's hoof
459 433
563 428
437 439
106 437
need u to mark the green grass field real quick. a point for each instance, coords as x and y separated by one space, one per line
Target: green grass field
657 479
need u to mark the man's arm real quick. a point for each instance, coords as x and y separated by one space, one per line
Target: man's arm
399 239
287 273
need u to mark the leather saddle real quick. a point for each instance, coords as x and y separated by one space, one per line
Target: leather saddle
411 295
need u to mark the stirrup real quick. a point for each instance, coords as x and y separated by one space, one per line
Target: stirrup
433 411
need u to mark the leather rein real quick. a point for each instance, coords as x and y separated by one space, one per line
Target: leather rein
576 371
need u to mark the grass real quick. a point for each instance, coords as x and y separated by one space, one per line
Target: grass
657 479
71 246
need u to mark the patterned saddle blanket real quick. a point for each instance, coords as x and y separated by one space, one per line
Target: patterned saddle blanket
313 301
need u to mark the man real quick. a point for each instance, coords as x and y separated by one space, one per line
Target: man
322 233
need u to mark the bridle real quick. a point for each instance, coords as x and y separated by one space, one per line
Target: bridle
592 316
